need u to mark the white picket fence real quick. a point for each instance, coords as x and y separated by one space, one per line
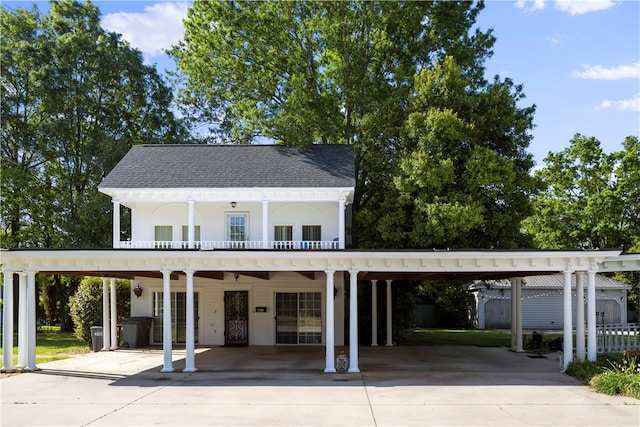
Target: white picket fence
616 338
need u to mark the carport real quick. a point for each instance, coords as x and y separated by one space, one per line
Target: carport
361 265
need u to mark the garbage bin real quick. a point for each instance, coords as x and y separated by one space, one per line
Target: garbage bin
135 331
96 338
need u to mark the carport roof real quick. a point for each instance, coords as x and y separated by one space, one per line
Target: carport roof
370 265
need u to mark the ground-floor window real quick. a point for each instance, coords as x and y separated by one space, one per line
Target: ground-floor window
178 316
298 318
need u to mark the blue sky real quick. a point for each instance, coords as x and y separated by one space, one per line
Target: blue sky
578 60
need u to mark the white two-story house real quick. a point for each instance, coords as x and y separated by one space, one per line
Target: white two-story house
231 198
246 245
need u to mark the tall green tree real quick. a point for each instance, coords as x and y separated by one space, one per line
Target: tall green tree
345 72
591 199
463 171
74 99
24 138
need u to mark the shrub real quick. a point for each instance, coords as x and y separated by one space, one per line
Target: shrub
621 378
86 305
584 370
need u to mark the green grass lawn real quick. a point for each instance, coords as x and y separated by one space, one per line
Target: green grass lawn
51 344
477 337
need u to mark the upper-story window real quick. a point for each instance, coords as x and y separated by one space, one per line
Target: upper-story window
163 233
185 236
163 236
237 227
283 235
311 232
185 233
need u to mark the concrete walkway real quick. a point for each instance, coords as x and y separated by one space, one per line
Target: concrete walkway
285 386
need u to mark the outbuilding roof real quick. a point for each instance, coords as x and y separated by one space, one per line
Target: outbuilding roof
233 166
552 281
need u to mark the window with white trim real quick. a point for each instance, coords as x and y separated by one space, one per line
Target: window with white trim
312 236
163 236
196 233
312 233
298 318
283 236
237 227
178 316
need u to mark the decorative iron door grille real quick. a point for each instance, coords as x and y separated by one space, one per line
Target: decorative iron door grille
236 318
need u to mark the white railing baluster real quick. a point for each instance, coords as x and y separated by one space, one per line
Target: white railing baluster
613 338
225 244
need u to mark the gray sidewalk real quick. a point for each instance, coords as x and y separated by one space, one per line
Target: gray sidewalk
285 386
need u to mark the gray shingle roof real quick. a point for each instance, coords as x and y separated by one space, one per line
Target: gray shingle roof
231 166
556 281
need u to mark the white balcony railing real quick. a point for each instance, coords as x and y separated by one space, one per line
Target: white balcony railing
225 244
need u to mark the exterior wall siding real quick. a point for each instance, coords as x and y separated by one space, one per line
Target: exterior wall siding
261 294
211 217
544 309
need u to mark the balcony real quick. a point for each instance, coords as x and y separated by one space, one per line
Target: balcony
234 245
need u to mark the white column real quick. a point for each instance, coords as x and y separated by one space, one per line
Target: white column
592 342
389 315
514 314
341 222
23 334
481 313
114 315
519 346
190 364
31 321
106 324
265 223
374 313
166 322
191 227
330 340
116 223
568 327
7 322
353 321
580 344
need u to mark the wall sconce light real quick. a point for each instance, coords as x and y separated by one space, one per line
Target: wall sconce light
236 276
482 297
233 204
138 291
621 299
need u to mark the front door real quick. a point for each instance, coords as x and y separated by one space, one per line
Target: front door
236 318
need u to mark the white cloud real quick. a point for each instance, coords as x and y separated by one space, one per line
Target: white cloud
573 7
580 7
556 38
158 28
525 4
632 104
598 72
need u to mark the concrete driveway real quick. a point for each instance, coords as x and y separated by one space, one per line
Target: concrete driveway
285 386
